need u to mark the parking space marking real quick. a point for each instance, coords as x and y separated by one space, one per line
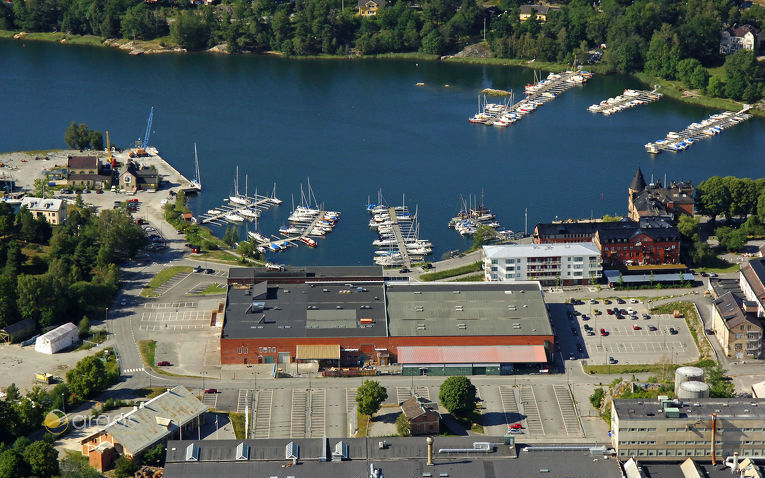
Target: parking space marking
210 399
172 282
421 391
245 396
186 315
297 413
318 412
509 405
169 305
199 288
169 328
350 400
531 410
567 410
263 413
403 394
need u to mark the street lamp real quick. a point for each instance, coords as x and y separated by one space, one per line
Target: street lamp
63 403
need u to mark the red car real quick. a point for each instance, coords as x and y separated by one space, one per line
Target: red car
516 426
610 311
163 363
603 332
133 200
211 390
635 327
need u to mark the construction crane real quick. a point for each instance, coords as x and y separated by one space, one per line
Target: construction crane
109 150
140 146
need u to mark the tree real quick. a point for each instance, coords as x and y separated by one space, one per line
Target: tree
458 395
75 465
190 31
716 86
740 70
124 467
663 53
482 234
370 396
688 227
78 136
596 399
402 426
154 456
12 393
691 72
731 239
11 464
84 326
88 377
42 458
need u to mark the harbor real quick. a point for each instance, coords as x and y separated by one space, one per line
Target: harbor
504 114
714 125
628 99
398 242
471 215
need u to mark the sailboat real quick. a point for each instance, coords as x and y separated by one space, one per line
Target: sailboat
237 198
195 185
273 197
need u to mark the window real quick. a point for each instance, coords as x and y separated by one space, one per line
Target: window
245 350
493 261
239 350
652 430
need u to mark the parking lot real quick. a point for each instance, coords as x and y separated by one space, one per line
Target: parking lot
634 336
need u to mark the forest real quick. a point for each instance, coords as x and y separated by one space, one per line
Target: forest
670 39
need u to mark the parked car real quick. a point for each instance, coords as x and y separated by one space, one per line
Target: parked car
652 328
584 317
672 331
630 311
198 269
634 301
636 327
99 191
607 301
516 426
593 301
620 301
123 301
596 312
571 356
209 271
709 331
211 390
646 316
603 332
163 363
611 360
403 270
610 311
712 275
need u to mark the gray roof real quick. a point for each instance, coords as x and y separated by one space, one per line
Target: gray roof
728 306
739 408
613 277
638 182
306 310
332 273
507 308
540 9
404 457
722 286
672 470
139 429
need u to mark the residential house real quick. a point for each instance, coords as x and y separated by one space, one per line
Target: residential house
87 171
370 7
134 177
165 417
655 200
422 415
735 38
752 283
551 264
539 11
53 210
735 327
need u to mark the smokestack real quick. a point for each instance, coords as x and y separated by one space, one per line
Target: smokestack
734 469
430 450
714 437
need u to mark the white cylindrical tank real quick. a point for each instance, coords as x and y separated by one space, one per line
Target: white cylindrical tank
692 390
687 374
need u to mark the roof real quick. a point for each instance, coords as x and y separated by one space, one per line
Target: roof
638 182
90 177
318 352
417 406
305 310
613 277
726 408
758 390
570 229
19 326
39 204
675 470
503 251
60 331
467 309
140 428
332 273
472 354
624 231
754 274
740 31
402 457
82 162
365 3
541 9
728 306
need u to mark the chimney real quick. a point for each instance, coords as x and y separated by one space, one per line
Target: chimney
734 468
429 441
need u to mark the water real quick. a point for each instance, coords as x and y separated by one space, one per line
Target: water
358 126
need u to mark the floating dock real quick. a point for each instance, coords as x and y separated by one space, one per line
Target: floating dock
398 243
255 203
697 131
628 99
537 94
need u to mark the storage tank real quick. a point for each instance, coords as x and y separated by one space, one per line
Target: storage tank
687 374
692 390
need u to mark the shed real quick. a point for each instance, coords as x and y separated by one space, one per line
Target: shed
58 339
20 330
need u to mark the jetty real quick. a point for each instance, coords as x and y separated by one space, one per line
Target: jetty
218 215
628 99
280 243
396 228
398 242
715 124
537 94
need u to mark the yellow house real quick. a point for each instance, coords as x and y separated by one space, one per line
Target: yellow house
53 210
370 7
540 12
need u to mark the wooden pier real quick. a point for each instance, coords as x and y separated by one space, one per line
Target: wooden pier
697 131
256 202
395 227
629 99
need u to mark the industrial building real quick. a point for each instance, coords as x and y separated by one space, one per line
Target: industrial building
57 339
394 457
350 317
669 430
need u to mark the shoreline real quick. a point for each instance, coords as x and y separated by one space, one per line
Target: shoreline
672 89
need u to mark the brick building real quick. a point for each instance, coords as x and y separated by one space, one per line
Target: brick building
422 415
648 242
348 316
655 200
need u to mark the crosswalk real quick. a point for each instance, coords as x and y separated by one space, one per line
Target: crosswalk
133 370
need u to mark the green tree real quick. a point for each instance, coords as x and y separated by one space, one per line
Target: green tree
124 467
75 465
84 327
596 399
458 395
433 43
190 31
688 227
740 70
12 393
692 73
72 136
482 235
11 464
88 377
42 459
761 207
713 197
731 239
402 426
663 53
154 456
716 86
370 396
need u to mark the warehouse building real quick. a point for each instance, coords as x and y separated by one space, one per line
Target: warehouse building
668 430
429 328
57 339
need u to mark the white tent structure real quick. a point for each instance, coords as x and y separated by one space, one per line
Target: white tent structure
57 339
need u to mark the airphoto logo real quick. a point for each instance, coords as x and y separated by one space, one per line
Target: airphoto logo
56 422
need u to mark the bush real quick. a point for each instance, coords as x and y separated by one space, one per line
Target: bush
596 399
402 426
124 468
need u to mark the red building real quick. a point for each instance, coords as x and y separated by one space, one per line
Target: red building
649 242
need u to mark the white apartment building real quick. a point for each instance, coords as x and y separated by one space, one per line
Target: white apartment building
550 264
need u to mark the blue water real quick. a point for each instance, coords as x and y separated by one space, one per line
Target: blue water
355 127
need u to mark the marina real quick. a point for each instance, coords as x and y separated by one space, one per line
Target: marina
504 114
471 216
628 99
398 242
707 128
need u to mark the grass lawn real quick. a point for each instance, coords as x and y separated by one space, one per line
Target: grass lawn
90 40
632 368
470 278
161 278
432 276
363 422
237 419
213 289
147 349
92 339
